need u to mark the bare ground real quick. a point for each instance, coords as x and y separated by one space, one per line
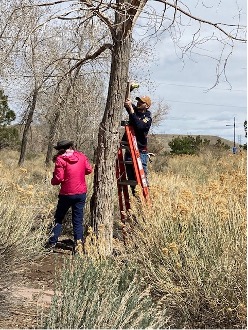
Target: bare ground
30 299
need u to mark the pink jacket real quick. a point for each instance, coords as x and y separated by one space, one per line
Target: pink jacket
70 170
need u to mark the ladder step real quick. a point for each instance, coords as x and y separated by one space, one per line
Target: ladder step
128 182
121 171
124 122
124 146
127 162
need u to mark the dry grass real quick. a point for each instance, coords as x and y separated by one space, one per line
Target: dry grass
190 244
25 212
185 262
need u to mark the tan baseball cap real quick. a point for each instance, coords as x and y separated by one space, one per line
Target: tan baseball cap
145 99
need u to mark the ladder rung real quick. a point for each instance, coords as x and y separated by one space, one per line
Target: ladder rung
127 162
124 122
124 146
128 182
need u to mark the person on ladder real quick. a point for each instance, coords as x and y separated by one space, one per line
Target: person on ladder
140 119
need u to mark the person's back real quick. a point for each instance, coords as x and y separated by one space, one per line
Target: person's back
70 170
71 166
141 124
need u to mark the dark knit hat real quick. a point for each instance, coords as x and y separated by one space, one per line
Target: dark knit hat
63 144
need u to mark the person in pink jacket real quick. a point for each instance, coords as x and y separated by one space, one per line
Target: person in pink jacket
71 167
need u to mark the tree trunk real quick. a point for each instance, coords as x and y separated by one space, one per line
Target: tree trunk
27 127
102 202
55 122
52 132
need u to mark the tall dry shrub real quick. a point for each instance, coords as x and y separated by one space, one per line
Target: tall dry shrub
25 213
190 243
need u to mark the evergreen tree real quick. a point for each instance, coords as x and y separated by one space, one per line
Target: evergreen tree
186 145
9 135
6 114
191 145
245 128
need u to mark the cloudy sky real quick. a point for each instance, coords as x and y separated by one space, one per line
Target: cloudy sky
195 108
185 84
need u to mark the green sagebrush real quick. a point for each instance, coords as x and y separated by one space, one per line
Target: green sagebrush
101 295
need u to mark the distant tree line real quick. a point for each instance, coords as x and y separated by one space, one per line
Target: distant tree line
191 145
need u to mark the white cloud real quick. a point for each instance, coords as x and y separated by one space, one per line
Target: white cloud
183 85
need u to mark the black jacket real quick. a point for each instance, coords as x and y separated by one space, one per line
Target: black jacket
141 123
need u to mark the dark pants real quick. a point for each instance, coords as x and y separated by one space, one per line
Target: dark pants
77 203
130 169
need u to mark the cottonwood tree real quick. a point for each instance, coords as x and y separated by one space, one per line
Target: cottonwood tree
39 58
76 111
39 74
24 66
78 93
83 112
120 18
11 30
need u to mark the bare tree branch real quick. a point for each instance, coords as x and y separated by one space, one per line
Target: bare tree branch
52 3
215 25
91 56
96 12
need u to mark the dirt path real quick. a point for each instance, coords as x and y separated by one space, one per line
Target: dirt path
35 293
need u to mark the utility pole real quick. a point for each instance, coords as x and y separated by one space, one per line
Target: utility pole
234 143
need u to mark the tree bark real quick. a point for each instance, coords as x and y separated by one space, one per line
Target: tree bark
102 202
27 127
52 132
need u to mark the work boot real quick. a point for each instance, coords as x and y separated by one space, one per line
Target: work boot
79 248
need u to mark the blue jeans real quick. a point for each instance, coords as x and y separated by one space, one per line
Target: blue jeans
130 169
77 203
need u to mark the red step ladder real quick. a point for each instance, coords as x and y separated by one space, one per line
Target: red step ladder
121 175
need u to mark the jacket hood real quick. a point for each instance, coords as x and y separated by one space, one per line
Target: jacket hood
70 156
